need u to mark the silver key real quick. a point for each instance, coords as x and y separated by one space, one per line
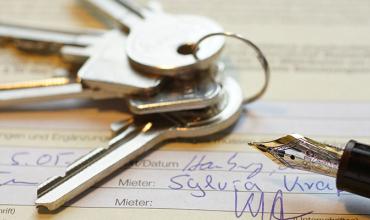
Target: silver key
200 91
109 71
161 43
198 94
104 70
47 41
104 75
138 137
38 40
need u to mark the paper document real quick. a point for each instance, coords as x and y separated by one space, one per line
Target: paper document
318 51
225 175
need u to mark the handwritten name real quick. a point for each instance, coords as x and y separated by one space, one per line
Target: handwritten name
202 163
243 186
295 183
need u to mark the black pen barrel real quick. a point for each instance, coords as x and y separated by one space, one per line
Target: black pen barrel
354 169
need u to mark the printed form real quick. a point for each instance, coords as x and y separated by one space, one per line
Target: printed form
320 73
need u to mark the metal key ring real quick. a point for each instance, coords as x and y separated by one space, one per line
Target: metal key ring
260 56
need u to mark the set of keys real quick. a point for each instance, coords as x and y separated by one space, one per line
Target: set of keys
174 87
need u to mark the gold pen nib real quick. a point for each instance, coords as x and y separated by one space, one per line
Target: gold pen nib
275 149
299 152
259 145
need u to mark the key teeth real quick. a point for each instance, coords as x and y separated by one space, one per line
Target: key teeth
77 165
45 187
80 163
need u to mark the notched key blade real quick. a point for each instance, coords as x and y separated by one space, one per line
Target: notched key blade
49 194
93 168
138 138
52 182
53 201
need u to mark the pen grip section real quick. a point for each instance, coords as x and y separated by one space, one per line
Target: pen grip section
354 169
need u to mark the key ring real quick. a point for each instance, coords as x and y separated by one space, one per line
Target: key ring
260 56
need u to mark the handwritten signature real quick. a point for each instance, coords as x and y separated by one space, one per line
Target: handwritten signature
242 187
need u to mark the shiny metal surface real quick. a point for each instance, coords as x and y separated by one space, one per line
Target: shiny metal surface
106 72
155 37
124 14
49 93
159 52
298 152
110 76
177 94
140 136
42 40
260 57
108 69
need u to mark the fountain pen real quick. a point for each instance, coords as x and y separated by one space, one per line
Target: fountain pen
349 165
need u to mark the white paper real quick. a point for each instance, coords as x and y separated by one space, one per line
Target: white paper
231 178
